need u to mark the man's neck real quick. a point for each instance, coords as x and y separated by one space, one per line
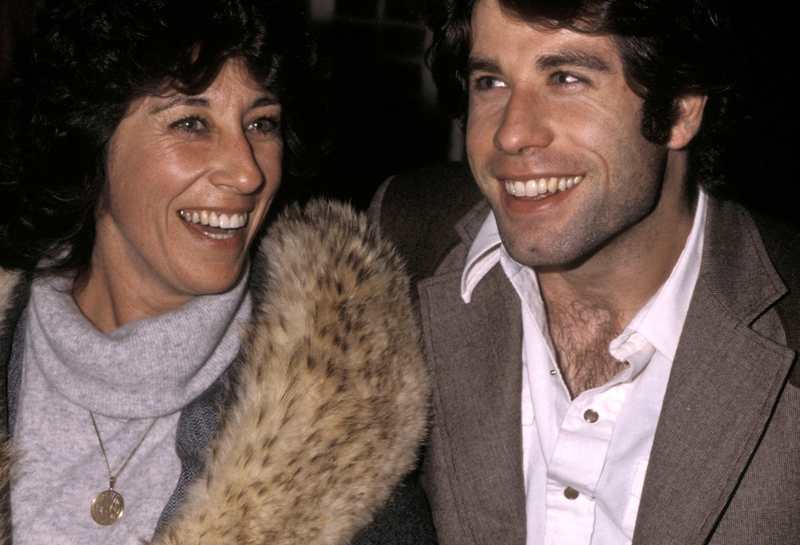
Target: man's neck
581 331
589 304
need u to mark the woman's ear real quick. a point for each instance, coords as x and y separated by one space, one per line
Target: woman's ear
690 114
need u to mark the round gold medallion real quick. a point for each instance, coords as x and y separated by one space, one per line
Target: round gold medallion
107 507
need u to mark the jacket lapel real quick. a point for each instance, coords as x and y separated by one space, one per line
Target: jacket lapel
724 383
475 351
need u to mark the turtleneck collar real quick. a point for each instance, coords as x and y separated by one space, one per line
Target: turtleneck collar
147 368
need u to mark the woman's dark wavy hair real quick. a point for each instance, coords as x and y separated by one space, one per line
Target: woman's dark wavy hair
89 60
668 48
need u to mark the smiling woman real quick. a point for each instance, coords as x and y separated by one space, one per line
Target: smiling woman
216 155
174 373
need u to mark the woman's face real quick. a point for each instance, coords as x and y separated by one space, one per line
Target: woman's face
190 179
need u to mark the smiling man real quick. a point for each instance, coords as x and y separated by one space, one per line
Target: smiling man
613 346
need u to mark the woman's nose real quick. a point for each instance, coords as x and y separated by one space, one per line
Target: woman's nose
237 166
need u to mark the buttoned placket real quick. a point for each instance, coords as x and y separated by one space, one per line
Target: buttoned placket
577 461
574 435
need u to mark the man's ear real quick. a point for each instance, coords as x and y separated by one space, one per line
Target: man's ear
690 114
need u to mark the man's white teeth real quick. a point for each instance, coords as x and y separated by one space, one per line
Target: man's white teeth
212 219
540 186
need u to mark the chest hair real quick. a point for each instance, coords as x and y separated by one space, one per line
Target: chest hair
581 332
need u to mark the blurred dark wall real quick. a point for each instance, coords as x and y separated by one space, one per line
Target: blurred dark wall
766 150
385 118
16 24
383 106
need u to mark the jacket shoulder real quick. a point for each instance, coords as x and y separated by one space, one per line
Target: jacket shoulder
782 242
418 210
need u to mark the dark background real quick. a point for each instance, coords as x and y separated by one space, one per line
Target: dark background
385 118
383 100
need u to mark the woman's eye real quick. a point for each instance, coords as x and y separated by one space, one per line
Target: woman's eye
191 124
264 125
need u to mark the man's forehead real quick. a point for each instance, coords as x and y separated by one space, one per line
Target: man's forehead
496 31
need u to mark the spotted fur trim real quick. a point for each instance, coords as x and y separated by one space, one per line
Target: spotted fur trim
8 282
332 403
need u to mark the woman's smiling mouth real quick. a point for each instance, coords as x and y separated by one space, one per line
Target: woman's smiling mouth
216 226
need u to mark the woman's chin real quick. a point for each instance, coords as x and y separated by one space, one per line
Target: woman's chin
213 280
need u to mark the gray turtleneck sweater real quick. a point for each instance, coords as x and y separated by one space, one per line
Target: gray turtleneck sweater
148 369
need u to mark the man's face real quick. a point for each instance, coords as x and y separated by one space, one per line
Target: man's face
554 140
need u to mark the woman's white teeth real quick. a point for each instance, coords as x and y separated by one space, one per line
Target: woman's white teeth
212 219
540 186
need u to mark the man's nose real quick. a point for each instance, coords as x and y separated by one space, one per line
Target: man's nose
525 124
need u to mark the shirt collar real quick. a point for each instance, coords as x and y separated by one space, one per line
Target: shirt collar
659 322
483 255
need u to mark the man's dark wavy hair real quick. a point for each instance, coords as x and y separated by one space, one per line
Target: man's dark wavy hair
669 48
89 60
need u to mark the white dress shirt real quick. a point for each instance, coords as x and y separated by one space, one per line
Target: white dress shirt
584 460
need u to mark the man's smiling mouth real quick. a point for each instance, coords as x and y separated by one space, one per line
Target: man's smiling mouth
214 225
541 186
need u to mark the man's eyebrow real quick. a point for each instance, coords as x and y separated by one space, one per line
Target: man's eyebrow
482 64
545 62
579 59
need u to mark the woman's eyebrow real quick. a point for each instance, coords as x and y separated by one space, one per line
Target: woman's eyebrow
182 100
266 100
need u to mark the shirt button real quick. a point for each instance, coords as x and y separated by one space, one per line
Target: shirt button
591 416
570 493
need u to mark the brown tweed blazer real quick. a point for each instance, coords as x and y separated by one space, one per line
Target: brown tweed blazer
725 464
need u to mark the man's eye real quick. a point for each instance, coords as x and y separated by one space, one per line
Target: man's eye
191 124
484 83
564 78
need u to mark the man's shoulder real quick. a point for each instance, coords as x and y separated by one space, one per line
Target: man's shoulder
782 242
418 210
732 225
447 191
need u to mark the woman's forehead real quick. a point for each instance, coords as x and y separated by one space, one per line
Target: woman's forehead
233 75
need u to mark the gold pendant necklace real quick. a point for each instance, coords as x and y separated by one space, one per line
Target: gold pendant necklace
108 506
